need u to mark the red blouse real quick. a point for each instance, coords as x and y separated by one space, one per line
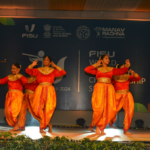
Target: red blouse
14 85
125 85
45 78
31 86
114 71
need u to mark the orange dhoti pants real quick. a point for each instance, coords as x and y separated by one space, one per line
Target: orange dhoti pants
126 102
13 104
44 104
103 104
27 103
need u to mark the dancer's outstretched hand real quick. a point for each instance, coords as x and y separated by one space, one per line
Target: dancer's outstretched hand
34 63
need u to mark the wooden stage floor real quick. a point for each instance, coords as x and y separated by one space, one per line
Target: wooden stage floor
81 133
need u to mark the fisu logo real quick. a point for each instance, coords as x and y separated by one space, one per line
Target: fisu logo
40 58
32 28
29 30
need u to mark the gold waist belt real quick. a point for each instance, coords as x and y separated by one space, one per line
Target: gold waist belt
14 91
122 91
27 91
45 83
104 80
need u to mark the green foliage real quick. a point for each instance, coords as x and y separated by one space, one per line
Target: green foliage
11 141
4 135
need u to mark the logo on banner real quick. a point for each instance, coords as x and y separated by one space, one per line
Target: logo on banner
29 31
110 32
47 29
32 28
98 31
83 32
40 58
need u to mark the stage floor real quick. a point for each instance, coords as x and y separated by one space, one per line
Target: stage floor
81 133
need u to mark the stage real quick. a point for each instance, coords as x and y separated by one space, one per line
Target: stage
81 133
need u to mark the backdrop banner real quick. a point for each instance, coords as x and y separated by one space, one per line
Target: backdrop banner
74 45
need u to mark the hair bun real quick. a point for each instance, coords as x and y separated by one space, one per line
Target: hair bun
17 65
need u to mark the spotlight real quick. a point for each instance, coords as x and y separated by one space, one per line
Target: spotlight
139 123
80 122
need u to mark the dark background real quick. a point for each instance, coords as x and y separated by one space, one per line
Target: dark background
74 90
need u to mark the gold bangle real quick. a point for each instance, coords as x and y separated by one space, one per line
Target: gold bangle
136 75
95 65
127 65
30 67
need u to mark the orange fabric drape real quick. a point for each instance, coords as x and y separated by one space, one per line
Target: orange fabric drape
44 104
13 104
27 103
103 104
126 102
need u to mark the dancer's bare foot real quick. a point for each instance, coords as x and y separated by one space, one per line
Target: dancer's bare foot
50 128
127 133
91 129
42 131
97 130
16 127
103 133
111 126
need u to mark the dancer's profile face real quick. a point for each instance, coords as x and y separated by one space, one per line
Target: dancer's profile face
106 60
46 61
14 69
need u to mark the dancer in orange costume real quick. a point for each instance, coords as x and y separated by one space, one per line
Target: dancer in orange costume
44 101
14 96
103 97
124 98
30 87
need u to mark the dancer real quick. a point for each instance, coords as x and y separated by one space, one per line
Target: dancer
30 87
103 97
14 96
124 98
44 101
